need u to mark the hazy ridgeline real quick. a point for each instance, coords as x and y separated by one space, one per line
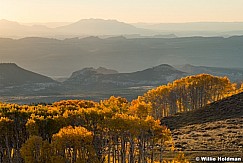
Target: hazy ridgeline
54 57
107 28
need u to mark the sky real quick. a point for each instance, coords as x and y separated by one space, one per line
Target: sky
130 11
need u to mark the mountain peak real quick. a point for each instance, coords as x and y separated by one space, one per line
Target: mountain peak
97 20
12 74
102 70
3 65
163 67
99 27
92 71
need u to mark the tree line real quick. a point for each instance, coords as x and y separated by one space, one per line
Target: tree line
189 93
79 131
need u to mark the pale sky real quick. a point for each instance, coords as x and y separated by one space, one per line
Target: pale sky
130 11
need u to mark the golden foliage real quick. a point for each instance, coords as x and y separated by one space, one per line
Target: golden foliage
86 131
189 93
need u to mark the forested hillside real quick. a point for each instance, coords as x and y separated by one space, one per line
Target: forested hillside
189 93
113 130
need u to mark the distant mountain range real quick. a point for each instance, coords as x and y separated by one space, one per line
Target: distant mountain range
99 83
82 28
54 57
106 28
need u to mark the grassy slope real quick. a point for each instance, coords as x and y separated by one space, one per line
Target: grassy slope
216 130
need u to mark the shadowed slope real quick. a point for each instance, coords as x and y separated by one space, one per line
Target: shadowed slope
11 75
231 107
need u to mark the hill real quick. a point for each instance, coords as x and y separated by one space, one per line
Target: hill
95 79
215 130
15 80
11 74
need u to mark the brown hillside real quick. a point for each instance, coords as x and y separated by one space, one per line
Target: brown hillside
216 130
